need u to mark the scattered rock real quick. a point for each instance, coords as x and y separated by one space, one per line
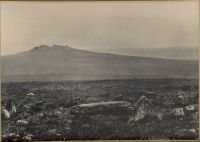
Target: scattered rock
29 135
192 130
180 97
14 140
190 107
178 112
5 113
30 94
27 138
22 122
10 137
52 131
57 112
12 134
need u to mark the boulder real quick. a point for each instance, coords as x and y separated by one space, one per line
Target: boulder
142 107
178 111
22 122
101 107
5 113
190 107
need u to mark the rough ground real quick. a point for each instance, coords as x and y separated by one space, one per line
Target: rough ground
49 116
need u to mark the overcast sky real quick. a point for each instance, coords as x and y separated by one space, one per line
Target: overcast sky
120 27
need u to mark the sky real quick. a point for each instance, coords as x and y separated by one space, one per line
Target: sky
115 27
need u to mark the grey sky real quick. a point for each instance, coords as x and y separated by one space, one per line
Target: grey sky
99 26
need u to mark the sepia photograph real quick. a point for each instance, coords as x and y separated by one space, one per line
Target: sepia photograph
99 70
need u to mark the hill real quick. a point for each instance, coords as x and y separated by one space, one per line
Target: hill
45 63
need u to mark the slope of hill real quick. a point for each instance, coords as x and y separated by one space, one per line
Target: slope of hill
45 63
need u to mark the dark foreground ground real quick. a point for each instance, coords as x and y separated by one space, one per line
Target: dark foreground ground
49 117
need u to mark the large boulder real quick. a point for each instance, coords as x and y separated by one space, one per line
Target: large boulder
142 107
145 110
110 107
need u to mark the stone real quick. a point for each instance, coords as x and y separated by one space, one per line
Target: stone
22 122
27 138
29 135
100 107
52 131
180 97
143 107
190 107
192 130
5 113
178 112
30 94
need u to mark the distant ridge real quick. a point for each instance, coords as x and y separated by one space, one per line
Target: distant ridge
57 62
180 53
